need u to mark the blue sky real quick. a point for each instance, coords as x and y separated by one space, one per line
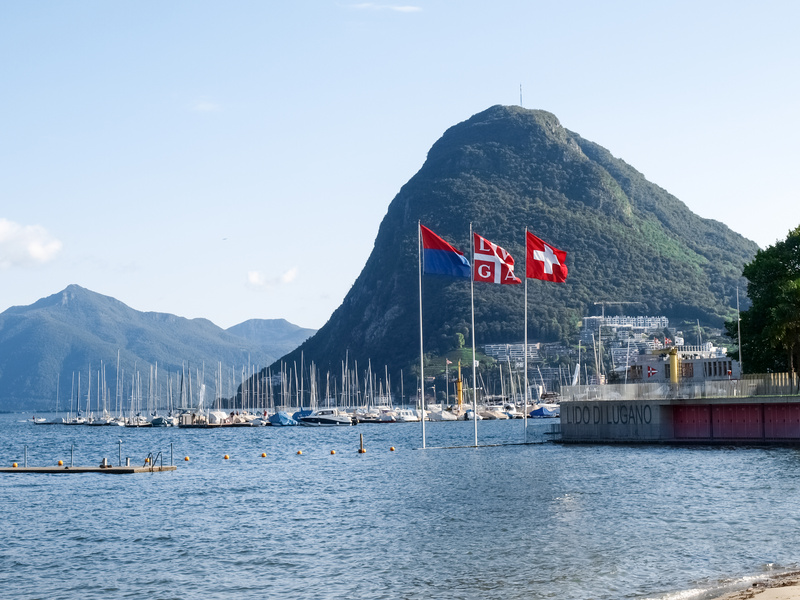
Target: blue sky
233 160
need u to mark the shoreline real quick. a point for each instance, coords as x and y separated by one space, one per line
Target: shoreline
783 586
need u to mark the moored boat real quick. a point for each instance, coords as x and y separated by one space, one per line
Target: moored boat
281 419
442 415
405 415
326 417
545 411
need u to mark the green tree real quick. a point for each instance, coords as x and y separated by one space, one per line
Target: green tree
784 322
459 340
771 326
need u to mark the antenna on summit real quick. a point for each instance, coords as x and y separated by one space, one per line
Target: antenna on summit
520 94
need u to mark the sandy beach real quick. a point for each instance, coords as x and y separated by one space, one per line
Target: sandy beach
781 587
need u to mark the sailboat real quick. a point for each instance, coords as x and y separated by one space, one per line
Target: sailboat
55 420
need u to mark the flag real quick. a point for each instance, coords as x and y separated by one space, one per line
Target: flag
440 258
449 362
542 261
492 263
650 372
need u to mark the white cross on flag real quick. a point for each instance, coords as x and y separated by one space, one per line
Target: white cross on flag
543 261
491 263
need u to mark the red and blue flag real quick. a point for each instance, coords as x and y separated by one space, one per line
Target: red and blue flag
440 258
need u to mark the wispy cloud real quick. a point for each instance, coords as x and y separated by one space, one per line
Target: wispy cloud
392 7
257 279
25 245
204 106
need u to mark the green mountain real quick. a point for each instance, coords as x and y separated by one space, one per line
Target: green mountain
66 332
277 335
503 170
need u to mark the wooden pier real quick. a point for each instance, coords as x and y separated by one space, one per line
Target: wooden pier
110 470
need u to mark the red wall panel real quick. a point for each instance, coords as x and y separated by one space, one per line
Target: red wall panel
691 422
782 421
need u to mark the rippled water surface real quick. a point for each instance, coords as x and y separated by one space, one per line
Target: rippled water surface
506 522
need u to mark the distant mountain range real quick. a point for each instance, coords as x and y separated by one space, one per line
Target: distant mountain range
505 169
67 332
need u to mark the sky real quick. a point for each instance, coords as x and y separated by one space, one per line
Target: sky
233 160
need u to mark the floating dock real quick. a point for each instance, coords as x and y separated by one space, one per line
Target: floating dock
105 470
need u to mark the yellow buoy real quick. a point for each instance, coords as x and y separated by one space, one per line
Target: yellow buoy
391 449
333 451
226 457
14 465
186 458
61 463
263 455
299 451
362 451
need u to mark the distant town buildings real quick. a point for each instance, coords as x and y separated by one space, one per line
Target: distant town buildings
621 325
637 347
513 352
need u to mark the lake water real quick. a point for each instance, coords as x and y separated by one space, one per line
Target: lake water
507 522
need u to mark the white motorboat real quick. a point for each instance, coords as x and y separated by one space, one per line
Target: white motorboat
470 415
387 416
326 417
405 415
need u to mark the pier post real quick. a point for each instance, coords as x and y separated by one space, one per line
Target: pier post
72 456
26 456
119 453
170 454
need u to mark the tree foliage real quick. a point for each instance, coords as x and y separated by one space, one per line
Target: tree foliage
771 326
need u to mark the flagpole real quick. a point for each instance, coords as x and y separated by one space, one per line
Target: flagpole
739 333
474 370
525 402
421 355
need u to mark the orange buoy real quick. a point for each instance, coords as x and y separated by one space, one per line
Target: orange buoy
391 449
14 465
61 463
263 455
147 460
333 451
299 451
226 457
186 458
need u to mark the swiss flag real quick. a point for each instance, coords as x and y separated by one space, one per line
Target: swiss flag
491 263
543 261
650 372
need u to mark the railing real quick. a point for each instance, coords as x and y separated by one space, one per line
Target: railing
769 384
150 460
775 384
